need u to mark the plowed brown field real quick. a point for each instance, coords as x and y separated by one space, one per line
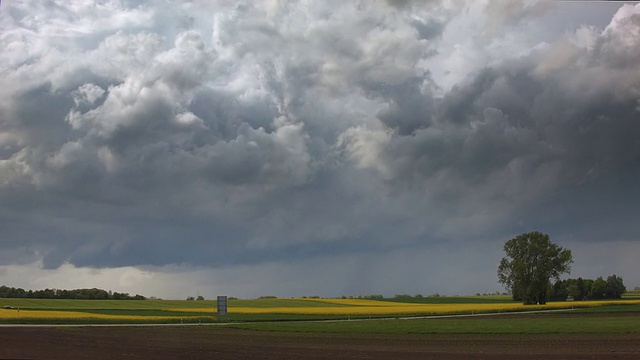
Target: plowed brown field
208 343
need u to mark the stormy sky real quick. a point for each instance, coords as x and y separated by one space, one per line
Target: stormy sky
290 148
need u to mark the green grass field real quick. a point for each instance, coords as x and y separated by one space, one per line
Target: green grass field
635 294
542 325
619 319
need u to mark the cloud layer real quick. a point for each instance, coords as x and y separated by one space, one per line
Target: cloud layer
221 135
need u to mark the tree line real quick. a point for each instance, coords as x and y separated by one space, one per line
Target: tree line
86 294
583 289
532 261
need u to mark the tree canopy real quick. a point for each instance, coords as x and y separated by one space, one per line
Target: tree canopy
583 289
531 261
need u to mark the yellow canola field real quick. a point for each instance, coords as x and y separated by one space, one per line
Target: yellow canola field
63 315
373 307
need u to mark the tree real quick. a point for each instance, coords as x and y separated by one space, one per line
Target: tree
574 292
581 289
615 287
588 285
599 288
559 291
532 261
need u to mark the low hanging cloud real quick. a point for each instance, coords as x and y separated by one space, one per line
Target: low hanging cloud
216 134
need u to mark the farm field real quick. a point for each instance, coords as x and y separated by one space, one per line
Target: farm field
624 319
201 342
599 330
54 311
181 311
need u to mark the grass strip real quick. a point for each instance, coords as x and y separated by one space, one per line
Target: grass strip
513 324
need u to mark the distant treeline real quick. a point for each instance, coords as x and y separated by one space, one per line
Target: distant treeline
363 297
86 294
583 289
396 296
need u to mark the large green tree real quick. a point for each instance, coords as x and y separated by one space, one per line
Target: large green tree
599 288
531 261
615 287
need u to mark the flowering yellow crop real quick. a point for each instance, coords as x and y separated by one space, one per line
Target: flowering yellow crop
70 315
357 302
375 307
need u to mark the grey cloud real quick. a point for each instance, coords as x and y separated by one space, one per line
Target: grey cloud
409 104
404 3
429 29
515 135
505 14
222 134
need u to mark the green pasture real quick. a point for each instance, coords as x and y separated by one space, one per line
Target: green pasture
632 295
631 308
626 320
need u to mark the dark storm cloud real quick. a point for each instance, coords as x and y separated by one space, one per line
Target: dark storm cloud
529 128
153 124
256 133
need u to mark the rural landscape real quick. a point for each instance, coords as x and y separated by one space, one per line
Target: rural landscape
299 179
490 326
522 323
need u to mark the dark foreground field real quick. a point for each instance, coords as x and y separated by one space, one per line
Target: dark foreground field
211 343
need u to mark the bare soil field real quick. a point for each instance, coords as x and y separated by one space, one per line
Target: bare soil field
212 343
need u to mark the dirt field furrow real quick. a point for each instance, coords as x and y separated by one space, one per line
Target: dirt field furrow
221 344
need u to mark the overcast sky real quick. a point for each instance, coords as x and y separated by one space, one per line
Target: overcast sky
290 148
